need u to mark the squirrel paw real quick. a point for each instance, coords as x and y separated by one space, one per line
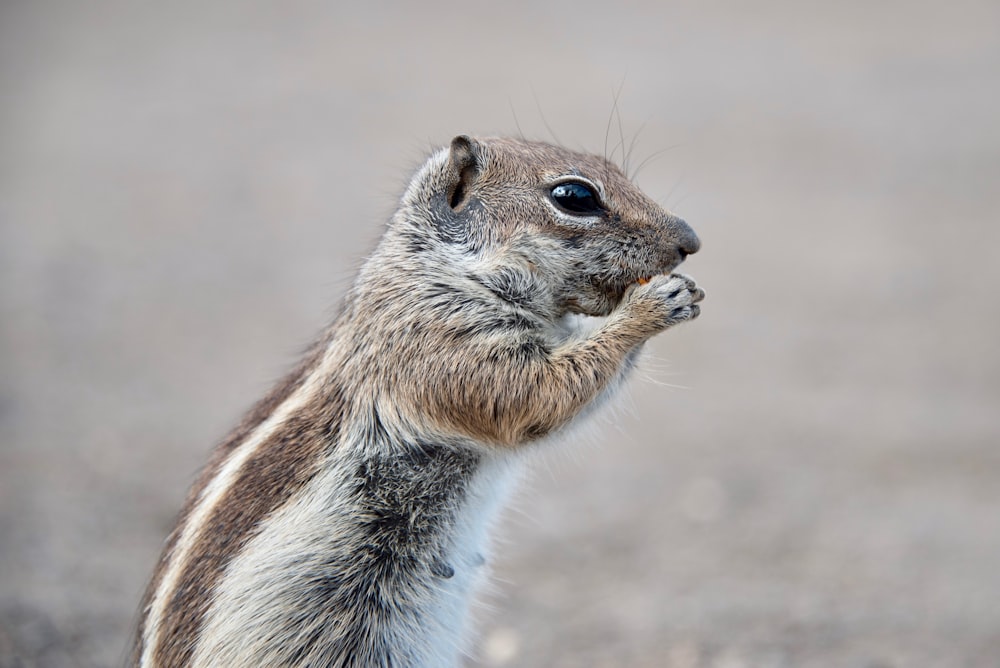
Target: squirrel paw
668 299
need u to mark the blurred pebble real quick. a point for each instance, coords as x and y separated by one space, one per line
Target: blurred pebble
684 655
501 645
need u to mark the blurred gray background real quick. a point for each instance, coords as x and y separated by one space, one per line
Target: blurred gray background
809 475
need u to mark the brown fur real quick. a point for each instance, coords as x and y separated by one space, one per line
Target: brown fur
251 421
285 462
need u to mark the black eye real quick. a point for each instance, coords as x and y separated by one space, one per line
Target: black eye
576 198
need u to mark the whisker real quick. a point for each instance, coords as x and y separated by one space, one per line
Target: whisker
651 157
618 115
541 113
631 147
517 124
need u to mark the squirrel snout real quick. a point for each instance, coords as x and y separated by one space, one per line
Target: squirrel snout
687 240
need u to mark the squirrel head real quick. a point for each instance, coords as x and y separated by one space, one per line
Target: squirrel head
530 217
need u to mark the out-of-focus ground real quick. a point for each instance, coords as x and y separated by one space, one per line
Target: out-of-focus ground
809 475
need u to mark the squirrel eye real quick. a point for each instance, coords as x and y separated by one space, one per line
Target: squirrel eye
576 198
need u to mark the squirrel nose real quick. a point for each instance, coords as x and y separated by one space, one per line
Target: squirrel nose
687 240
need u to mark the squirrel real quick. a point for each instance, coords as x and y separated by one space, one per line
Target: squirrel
344 521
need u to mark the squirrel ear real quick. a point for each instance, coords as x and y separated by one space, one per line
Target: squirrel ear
463 169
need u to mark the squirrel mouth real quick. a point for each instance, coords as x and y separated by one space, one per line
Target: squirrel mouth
615 287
